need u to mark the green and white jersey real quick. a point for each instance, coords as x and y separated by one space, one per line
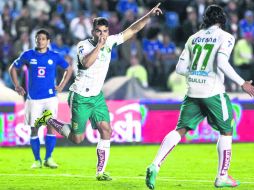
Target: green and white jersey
89 82
204 77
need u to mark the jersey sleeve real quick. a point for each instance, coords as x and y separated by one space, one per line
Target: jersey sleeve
183 63
21 60
83 49
115 40
62 62
227 45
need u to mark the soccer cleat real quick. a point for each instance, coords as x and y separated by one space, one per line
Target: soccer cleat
103 177
228 182
50 163
151 174
47 114
36 164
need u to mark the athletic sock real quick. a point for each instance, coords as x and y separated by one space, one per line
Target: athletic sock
61 128
103 150
35 145
224 147
50 143
167 145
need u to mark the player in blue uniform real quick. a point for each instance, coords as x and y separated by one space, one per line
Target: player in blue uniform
41 93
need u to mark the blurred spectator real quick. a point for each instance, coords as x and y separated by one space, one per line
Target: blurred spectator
69 13
6 57
128 19
1 27
177 84
81 27
115 64
167 56
132 47
97 6
57 24
114 24
24 22
22 44
245 5
127 5
38 6
232 26
190 25
59 46
137 71
200 6
247 23
231 7
7 20
243 56
172 19
151 47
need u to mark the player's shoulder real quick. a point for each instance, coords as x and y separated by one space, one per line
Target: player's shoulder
192 37
83 42
225 35
28 53
53 52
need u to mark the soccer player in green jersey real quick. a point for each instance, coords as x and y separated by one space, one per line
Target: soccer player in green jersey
204 62
86 99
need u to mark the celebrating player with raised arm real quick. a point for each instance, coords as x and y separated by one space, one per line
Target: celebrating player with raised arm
204 62
41 93
86 99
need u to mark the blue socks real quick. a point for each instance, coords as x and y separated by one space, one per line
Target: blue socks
35 144
50 143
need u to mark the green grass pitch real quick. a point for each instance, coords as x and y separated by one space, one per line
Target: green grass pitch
188 167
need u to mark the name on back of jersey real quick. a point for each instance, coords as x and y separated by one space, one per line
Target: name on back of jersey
204 40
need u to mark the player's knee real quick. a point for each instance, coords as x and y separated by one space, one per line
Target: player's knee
77 139
107 131
182 131
34 132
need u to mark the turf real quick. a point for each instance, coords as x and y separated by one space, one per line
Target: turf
188 167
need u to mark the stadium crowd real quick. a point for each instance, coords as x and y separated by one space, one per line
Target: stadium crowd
155 49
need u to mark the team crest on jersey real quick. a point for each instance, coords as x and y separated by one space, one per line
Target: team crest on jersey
102 57
81 50
41 72
33 61
50 61
74 125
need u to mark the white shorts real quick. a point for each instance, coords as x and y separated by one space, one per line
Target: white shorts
34 109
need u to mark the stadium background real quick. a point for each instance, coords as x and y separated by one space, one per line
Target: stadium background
142 110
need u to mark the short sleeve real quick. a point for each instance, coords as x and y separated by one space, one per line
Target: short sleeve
83 49
21 60
61 62
185 55
227 45
115 40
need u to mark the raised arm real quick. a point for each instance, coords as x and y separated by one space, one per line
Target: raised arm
139 24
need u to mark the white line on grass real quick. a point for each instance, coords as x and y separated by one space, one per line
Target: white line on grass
115 177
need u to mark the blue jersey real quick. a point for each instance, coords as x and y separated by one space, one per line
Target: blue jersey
41 72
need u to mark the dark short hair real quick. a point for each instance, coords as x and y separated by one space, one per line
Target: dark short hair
43 31
101 21
214 14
